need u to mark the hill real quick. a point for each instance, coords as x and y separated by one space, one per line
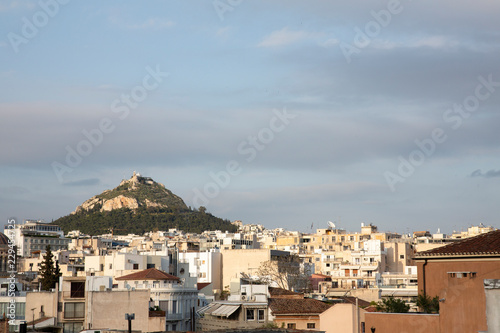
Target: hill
138 205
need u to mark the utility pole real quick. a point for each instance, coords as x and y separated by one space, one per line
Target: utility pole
33 310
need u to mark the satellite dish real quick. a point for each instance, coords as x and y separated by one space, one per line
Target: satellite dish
331 225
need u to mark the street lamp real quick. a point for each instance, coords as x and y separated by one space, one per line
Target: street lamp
130 317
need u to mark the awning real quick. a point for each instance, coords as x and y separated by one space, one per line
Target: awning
208 308
400 293
225 310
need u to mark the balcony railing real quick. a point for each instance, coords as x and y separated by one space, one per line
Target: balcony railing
74 294
175 316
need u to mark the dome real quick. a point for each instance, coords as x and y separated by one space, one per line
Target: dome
4 240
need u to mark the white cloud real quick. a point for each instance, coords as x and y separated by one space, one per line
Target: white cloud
435 42
149 24
330 42
223 33
152 23
282 37
13 5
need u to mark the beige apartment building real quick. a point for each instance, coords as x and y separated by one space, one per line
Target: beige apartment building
248 261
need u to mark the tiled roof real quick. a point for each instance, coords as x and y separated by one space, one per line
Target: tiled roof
149 274
282 292
484 244
350 299
299 306
201 285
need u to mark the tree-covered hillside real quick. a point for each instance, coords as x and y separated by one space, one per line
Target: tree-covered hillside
124 221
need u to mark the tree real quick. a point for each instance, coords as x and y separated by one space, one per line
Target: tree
428 304
286 272
49 273
393 305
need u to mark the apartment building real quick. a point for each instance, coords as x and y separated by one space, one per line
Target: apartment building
35 235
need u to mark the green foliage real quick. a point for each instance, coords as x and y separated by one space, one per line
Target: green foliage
393 305
49 274
428 304
142 220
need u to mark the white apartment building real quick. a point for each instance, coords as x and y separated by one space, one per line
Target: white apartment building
121 263
205 266
35 236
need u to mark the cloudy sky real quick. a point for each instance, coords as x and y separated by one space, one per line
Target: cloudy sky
285 113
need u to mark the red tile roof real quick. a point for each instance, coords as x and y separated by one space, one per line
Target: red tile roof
149 274
297 306
483 245
283 292
202 285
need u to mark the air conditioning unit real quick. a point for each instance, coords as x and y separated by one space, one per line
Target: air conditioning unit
244 298
253 298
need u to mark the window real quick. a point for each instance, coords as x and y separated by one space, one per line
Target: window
174 307
74 310
401 256
148 266
101 267
72 327
250 314
261 315
136 266
19 309
110 266
291 326
77 290
174 327
311 325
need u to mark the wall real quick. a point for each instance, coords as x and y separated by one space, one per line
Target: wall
236 261
464 305
107 309
300 321
402 322
492 306
36 300
341 318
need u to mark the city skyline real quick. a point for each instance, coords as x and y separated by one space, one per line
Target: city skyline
285 114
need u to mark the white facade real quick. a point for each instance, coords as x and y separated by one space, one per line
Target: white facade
205 266
119 263
35 236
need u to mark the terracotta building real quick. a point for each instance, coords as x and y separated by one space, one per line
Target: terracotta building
456 274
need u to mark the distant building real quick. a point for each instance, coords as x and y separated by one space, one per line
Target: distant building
34 236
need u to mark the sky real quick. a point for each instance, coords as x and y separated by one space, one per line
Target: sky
283 113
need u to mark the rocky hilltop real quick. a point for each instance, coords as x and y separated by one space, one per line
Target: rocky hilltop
133 193
138 205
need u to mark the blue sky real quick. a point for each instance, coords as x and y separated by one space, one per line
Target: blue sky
383 112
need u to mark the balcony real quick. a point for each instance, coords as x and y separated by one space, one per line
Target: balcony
74 294
175 316
158 313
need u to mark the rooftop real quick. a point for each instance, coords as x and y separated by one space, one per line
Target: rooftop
487 244
302 306
149 274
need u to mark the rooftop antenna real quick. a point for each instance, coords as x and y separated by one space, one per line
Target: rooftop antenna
331 225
